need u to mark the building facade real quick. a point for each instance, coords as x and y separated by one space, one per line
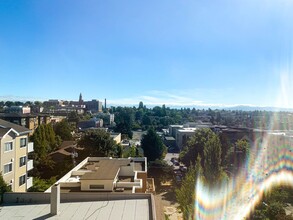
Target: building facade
94 106
14 162
30 121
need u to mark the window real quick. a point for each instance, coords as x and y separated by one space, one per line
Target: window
23 142
7 168
22 161
96 186
22 180
8 146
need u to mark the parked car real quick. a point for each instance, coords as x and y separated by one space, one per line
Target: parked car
176 163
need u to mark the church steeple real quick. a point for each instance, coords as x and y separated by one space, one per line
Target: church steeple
80 101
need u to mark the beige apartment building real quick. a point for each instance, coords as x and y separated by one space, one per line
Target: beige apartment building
14 162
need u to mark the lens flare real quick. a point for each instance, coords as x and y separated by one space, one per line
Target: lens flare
270 164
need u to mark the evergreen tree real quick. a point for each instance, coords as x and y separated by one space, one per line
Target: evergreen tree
185 195
45 141
152 145
212 160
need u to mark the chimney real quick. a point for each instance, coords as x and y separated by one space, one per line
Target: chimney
55 199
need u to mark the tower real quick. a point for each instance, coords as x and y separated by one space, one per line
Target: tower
80 101
105 103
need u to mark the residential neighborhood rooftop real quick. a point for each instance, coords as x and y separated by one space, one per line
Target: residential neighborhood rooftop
17 128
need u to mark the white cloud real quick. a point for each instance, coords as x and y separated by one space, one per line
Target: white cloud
20 98
174 99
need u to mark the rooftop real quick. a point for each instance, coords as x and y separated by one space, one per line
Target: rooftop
104 169
3 131
187 130
17 128
115 209
169 138
79 206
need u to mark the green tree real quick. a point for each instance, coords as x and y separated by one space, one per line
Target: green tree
97 143
212 160
275 209
124 119
243 146
3 187
9 103
239 153
185 195
130 152
45 141
63 130
40 185
152 145
226 145
195 146
140 105
73 117
273 203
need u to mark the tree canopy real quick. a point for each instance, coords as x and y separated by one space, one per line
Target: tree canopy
98 143
124 119
63 130
185 195
195 146
152 145
45 141
212 160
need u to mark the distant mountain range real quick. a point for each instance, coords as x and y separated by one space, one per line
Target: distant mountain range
237 107
256 108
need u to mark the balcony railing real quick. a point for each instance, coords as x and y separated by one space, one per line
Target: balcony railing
30 165
29 182
30 147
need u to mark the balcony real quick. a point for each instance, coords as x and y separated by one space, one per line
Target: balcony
30 147
29 182
30 165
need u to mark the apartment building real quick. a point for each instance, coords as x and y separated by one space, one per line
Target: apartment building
14 162
28 120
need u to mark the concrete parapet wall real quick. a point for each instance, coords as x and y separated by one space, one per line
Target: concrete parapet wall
39 198
36 197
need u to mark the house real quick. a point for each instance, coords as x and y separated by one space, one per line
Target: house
106 174
14 162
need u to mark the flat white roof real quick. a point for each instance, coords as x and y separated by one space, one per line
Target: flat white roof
191 130
131 209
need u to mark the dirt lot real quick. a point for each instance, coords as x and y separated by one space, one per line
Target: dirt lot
165 197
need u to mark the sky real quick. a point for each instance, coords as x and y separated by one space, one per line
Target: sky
173 52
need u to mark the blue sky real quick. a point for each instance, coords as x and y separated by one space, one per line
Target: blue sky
208 53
